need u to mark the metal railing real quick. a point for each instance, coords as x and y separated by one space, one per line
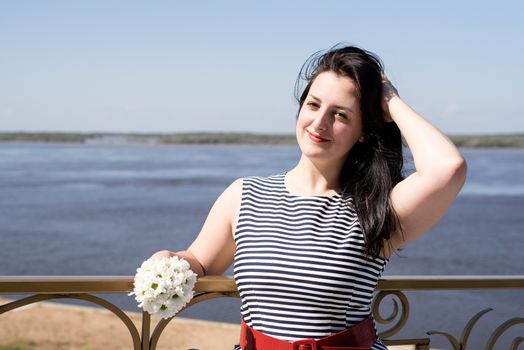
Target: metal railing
44 288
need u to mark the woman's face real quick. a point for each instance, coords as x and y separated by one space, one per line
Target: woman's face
329 122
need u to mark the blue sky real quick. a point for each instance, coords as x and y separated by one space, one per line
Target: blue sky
167 66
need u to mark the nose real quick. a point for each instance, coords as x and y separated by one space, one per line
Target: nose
321 120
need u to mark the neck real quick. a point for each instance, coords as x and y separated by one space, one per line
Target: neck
310 178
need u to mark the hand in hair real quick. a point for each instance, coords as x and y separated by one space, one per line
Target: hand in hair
388 92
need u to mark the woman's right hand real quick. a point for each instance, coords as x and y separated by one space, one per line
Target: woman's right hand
162 254
196 266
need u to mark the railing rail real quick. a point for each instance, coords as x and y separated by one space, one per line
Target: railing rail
81 287
123 284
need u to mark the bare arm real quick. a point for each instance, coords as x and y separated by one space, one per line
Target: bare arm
212 251
422 198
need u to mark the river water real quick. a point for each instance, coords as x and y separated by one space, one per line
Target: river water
74 209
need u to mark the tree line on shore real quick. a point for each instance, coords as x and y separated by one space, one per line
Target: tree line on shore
490 141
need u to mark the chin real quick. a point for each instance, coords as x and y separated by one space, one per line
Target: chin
316 153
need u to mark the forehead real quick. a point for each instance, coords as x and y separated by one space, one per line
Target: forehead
331 87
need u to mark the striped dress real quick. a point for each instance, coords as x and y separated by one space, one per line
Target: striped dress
299 265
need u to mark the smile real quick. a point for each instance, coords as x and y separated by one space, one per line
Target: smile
316 138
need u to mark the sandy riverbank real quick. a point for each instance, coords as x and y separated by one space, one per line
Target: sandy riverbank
54 326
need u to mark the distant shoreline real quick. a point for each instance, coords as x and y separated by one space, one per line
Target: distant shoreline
470 141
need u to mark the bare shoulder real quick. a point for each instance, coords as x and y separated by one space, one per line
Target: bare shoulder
233 199
232 194
236 187
227 206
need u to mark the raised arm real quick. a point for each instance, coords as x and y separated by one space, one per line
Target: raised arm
422 198
212 251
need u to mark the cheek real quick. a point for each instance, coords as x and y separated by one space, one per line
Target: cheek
301 113
348 136
299 125
301 119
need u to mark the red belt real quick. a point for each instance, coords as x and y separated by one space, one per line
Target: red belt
361 336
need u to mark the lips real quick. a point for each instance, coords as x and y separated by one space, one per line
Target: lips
316 137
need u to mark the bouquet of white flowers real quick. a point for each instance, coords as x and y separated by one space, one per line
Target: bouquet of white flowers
164 286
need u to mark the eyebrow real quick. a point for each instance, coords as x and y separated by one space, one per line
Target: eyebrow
336 106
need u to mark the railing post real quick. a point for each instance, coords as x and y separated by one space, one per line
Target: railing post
146 325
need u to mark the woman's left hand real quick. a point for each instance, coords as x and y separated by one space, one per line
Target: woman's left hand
388 92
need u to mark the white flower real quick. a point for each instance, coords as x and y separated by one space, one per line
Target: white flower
164 286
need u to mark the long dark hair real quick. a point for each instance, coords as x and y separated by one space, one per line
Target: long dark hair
373 166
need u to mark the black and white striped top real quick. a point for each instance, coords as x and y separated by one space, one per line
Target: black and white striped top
300 265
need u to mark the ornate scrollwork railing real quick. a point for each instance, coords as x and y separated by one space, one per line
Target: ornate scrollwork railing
43 288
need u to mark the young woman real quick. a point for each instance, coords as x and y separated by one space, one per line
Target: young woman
310 244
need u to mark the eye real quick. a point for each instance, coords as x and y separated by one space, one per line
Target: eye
312 104
341 115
